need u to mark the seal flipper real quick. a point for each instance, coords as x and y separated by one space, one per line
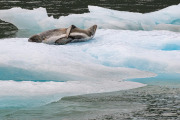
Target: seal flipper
62 41
68 31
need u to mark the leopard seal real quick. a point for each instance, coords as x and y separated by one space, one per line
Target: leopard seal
64 35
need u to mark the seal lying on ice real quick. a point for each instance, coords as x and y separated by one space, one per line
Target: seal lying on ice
64 35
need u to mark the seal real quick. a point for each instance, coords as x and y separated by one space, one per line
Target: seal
64 35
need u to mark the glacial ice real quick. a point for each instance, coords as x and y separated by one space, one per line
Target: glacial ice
98 65
40 93
103 57
111 55
37 20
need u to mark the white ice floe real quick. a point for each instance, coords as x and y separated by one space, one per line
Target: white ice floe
102 57
98 65
37 20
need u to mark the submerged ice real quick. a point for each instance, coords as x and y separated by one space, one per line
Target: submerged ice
37 20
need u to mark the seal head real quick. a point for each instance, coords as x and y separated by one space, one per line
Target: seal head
35 38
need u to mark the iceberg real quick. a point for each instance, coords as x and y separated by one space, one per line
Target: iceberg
37 20
98 65
32 94
104 57
127 45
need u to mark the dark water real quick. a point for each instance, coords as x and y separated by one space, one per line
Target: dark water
147 103
64 7
57 8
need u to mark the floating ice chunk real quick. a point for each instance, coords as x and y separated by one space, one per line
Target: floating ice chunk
102 57
72 60
98 65
30 94
30 88
169 15
37 20
33 20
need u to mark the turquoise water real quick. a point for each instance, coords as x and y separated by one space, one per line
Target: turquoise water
162 79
